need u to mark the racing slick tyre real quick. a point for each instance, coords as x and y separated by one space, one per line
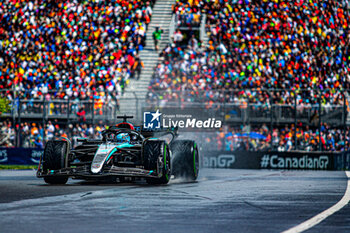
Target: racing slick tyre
156 157
54 159
185 159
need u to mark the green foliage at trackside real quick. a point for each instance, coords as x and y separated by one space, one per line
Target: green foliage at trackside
4 105
18 167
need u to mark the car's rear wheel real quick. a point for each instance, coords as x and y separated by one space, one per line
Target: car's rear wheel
53 159
185 159
156 158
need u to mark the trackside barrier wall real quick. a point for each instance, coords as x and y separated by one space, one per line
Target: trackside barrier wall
276 160
223 159
20 156
345 160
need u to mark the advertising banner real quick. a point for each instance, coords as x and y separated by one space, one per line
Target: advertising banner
273 160
20 156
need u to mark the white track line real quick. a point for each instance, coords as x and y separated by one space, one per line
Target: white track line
322 216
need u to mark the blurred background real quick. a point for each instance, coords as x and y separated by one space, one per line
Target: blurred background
276 73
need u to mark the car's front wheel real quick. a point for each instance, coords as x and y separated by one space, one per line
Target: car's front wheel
53 159
156 157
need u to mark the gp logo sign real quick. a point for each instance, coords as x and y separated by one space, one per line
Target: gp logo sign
221 161
304 162
35 156
3 156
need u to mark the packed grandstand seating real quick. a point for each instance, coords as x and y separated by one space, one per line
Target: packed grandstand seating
289 45
261 52
70 49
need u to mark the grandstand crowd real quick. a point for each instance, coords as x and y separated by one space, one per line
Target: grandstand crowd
289 45
261 52
71 49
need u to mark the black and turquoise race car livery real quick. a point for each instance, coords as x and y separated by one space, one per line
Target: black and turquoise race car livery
123 152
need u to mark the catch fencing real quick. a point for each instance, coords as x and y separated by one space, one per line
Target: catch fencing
61 109
270 106
257 107
304 110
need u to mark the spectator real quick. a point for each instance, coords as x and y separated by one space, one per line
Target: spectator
34 130
178 37
138 65
6 134
81 114
157 36
50 130
281 147
38 143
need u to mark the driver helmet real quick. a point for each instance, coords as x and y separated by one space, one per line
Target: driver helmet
123 137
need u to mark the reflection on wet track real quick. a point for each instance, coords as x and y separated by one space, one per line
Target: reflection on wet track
222 200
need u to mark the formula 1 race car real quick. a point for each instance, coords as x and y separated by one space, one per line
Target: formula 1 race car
124 151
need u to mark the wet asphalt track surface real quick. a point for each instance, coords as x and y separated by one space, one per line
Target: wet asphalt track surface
222 200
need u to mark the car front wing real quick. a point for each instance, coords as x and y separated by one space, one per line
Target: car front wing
84 171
